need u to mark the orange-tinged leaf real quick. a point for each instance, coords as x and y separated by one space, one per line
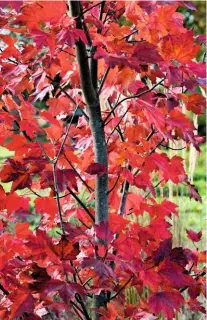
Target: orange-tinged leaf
22 230
172 47
18 144
195 103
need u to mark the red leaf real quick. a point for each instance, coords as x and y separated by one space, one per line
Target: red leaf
65 177
165 302
162 251
173 274
100 268
22 230
103 232
178 255
46 205
117 223
194 236
145 52
172 47
23 302
96 168
194 193
67 291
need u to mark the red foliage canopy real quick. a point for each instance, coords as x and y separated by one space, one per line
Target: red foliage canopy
53 257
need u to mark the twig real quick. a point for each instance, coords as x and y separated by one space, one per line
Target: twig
52 316
169 148
43 150
76 307
151 152
154 187
117 127
86 10
58 198
103 80
81 203
196 278
84 182
79 300
87 281
129 35
132 97
157 145
3 290
66 135
150 134
122 288
114 186
63 90
124 197
68 96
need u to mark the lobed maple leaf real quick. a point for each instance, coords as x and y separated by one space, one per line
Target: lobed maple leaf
194 236
24 302
142 78
165 302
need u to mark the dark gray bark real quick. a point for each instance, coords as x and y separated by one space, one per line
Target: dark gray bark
88 85
95 120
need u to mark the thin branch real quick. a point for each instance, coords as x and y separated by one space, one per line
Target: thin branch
70 54
58 198
115 128
132 97
66 135
84 182
38 195
103 80
68 96
86 10
81 204
124 196
87 281
169 148
3 290
102 10
154 187
43 150
79 300
196 278
157 145
75 306
87 34
150 134
52 316
129 35
63 90
122 288
151 152
204 57
11 60
114 186
118 128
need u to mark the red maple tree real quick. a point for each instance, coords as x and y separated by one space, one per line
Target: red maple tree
92 93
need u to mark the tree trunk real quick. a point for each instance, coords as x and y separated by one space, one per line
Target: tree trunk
97 129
